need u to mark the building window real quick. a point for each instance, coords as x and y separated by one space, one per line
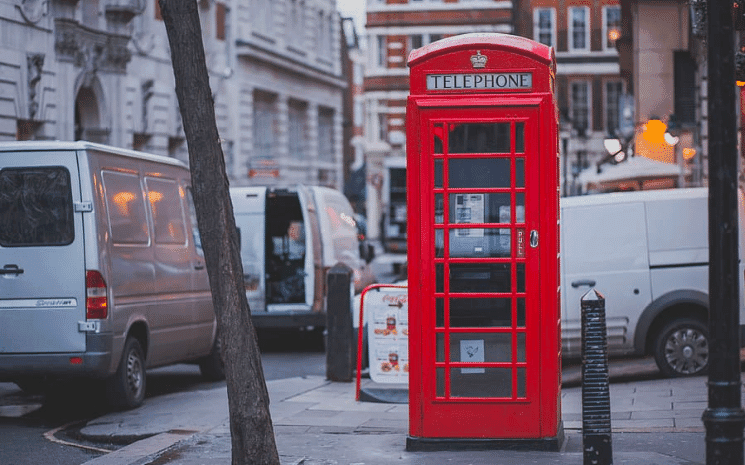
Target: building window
684 81
326 134
579 28
420 40
382 127
220 16
26 129
613 92
264 18
611 26
416 41
381 55
265 125
297 130
359 113
325 27
544 29
580 106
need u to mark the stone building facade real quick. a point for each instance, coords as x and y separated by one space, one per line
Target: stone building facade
100 70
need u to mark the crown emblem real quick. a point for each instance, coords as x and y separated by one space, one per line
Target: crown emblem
478 60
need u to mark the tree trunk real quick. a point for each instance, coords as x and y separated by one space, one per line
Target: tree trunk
251 428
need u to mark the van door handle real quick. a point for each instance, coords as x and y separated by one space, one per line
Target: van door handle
583 282
11 269
199 266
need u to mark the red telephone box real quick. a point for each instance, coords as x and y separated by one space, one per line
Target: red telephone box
483 245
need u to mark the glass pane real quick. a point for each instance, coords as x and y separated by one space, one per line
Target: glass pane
480 348
440 347
519 172
439 209
439 243
520 208
479 138
440 375
439 277
478 172
521 382
481 277
126 208
438 174
486 382
521 312
481 242
439 312
437 133
519 137
166 211
479 208
520 347
36 207
520 272
481 313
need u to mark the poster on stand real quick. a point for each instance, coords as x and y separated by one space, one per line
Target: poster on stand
387 315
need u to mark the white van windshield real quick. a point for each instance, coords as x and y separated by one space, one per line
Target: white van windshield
343 229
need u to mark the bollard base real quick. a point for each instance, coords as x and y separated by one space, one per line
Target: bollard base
549 444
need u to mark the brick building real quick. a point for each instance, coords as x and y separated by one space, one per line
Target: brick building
394 28
589 87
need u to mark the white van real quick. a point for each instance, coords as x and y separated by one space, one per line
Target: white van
101 268
648 253
289 238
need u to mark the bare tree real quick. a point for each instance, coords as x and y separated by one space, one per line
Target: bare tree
251 428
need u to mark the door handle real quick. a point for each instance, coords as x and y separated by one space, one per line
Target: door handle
11 269
534 238
583 282
199 266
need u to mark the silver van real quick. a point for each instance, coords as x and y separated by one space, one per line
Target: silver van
289 238
101 269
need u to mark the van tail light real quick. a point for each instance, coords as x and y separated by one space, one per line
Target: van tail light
96 303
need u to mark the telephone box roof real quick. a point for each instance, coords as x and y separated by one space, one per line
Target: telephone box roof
493 40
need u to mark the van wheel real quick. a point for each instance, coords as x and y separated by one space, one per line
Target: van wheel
682 348
126 389
212 366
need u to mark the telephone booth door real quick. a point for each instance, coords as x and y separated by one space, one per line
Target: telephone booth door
480 231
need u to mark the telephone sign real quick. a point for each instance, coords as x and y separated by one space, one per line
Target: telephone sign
482 183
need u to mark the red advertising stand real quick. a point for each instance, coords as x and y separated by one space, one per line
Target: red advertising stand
483 245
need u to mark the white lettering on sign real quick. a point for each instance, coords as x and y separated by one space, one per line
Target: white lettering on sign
496 81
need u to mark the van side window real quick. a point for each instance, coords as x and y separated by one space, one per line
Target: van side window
36 207
126 208
194 226
164 197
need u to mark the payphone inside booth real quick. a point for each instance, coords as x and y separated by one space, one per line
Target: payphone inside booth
482 181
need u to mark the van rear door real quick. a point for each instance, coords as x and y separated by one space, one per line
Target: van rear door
249 210
42 271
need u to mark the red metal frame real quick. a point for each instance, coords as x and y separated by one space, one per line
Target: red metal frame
533 412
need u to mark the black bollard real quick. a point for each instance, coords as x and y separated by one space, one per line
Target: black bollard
596 429
339 297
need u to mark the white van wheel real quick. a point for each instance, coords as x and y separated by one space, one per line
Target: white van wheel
126 389
682 348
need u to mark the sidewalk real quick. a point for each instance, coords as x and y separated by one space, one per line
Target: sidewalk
317 422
